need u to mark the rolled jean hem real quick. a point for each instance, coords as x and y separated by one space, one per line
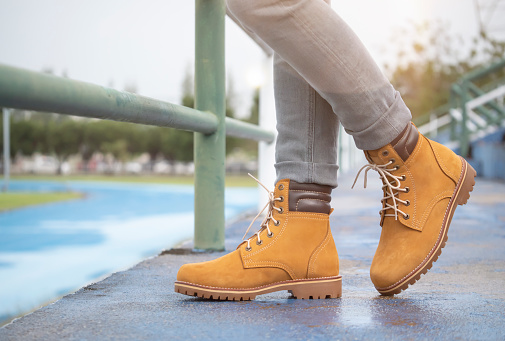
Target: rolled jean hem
308 172
386 128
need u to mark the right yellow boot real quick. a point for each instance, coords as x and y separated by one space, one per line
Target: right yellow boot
423 183
294 251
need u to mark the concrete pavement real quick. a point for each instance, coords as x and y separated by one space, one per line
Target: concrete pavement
461 297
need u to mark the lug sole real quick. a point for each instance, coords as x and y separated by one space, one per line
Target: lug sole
318 288
460 197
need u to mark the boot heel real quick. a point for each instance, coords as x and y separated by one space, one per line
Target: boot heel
318 289
468 182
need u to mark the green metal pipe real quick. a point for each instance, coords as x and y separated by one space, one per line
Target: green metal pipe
464 139
209 150
453 102
28 90
246 130
478 92
23 89
7 151
482 72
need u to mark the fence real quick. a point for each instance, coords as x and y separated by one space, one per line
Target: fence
23 89
476 108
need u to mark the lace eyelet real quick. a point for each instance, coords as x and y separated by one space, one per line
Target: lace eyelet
248 248
397 167
259 242
407 203
281 210
270 235
392 160
281 187
406 216
403 178
277 223
281 198
385 153
407 189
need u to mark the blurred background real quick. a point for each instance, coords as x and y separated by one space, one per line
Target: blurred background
107 181
147 47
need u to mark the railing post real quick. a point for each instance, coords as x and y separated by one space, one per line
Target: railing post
465 134
7 156
209 152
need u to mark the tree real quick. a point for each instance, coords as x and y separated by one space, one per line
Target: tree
427 65
64 138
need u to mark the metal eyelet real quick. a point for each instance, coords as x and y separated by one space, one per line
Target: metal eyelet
248 248
277 223
397 167
385 153
270 235
281 198
281 187
407 189
403 178
407 203
281 211
259 242
406 216
392 160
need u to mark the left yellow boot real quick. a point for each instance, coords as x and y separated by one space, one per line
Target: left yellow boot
294 251
423 182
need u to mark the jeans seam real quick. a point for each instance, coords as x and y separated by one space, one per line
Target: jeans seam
310 132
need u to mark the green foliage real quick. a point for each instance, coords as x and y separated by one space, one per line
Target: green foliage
9 201
429 60
63 136
249 147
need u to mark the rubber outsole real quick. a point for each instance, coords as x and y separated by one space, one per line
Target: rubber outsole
460 197
317 288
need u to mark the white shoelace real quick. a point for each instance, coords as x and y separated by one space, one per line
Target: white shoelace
270 204
386 175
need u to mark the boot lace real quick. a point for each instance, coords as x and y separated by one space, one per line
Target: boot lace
391 188
264 225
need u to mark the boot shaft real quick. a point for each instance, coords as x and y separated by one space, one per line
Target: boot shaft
300 228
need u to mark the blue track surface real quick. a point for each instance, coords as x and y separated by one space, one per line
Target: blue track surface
49 250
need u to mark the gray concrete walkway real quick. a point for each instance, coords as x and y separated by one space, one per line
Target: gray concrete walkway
462 297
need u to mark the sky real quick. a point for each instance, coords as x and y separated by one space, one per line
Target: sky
150 43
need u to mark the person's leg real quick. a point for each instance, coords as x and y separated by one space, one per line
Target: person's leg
324 50
294 250
306 146
423 180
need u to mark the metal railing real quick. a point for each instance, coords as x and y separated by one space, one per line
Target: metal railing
22 89
473 110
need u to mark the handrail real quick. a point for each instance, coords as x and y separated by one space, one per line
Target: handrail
23 89
483 72
467 117
29 90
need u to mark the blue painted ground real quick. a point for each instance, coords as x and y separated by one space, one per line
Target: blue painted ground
49 250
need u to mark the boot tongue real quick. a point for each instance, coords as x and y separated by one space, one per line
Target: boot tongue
373 156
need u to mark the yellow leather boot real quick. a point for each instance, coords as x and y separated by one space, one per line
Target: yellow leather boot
294 250
423 182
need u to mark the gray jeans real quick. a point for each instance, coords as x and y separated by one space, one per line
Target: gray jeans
323 75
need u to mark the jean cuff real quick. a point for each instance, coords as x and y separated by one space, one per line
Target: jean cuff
386 128
308 172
